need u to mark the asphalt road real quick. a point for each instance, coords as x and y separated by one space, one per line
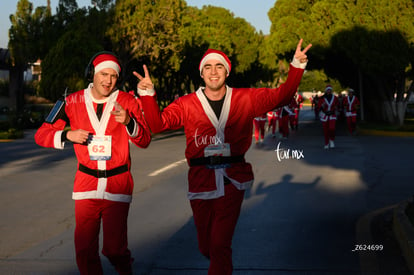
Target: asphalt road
305 214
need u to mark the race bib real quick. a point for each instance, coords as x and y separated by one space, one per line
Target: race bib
217 150
213 150
100 147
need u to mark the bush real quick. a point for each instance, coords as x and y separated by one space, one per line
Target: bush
4 88
12 133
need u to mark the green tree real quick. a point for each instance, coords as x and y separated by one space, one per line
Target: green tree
287 28
171 37
365 44
64 65
218 28
23 47
146 32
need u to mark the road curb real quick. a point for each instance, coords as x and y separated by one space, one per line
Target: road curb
404 233
369 262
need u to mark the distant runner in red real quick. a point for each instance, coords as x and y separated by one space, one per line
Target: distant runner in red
295 107
285 113
259 128
327 107
351 105
272 118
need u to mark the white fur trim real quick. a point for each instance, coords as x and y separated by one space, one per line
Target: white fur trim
57 140
150 92
107 65
215 56
106 196
134 131
297 64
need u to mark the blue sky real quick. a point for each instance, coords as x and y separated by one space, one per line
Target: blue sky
255 12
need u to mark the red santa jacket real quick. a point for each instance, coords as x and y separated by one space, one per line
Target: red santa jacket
293 105
80 111
272 114
350 105
328 108
202 128
299 100
263 117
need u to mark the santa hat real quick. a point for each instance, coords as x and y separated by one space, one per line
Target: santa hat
217 55
328 87
106 61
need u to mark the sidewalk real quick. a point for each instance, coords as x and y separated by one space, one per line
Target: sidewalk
389 226
392 222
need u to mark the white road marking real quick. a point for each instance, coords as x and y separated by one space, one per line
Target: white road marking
165 168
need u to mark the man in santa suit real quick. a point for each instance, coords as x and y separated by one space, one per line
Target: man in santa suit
259 128
295 107
217 121
285 113
272 118
351 105
327 107
103 120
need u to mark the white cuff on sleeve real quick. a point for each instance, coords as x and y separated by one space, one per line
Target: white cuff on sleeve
150 92
57 140
296 63
134 131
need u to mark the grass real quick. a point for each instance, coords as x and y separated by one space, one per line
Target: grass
11 134
408 126
407 129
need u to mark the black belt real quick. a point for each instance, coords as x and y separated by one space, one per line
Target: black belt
216 160
103 173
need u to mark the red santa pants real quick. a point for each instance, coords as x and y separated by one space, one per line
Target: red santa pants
259 129
272 123
284 126
329 130
294 119
215 220
114 215
351 122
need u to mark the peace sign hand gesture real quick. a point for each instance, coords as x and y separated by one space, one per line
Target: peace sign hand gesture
145 85
301 55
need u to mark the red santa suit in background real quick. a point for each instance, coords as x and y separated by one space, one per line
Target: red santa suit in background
103 183
351 105
296 105
259 128
327 107
272 118
316 102
285 113
216 144
294 113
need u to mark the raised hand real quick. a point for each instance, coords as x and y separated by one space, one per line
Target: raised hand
145 83
301 54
